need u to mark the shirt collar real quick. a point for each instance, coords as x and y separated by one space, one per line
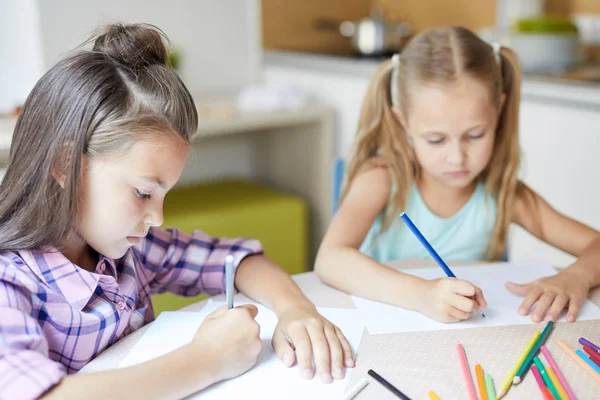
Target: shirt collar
76 284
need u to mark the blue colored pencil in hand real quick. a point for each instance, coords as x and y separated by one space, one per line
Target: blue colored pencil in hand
429 248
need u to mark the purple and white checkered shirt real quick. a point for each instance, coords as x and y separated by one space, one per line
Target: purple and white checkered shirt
55 317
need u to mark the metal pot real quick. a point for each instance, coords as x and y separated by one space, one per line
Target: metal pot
373 36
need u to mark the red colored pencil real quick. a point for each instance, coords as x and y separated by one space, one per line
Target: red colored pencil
595 357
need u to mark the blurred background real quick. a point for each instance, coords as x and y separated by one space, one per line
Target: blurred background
279 85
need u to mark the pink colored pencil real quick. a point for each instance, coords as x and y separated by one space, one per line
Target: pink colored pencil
464 366
558 372
540 381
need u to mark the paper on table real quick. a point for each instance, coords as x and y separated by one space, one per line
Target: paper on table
269 378
170 331
502 304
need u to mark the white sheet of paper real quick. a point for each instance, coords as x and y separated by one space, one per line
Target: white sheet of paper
269 379
502 304
168 332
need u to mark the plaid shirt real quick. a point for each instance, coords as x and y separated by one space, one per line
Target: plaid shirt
55 317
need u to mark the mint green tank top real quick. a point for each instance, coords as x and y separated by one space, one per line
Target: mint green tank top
465 236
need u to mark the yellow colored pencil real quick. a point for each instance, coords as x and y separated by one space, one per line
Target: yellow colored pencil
561 391
433 396
509 379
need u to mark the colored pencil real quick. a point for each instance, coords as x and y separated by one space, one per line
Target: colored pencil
559 389
515 368
229 281
388 385
586 367
540 382
587 360
433 396
584 342
360 385
464 366
527 363
561 378
489 387
545 377
595 357
480 382
429 248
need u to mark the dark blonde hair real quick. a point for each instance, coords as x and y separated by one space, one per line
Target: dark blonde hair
94 102
442 56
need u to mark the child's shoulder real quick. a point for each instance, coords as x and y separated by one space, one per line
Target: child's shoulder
375 168
374 174
375 163
371 186
14 270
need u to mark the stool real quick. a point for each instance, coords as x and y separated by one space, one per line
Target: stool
239 209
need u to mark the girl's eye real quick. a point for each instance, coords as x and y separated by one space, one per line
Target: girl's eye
435 141
478 135
142 195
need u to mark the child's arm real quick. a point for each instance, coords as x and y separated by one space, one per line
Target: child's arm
571 286
190 264
340 263
226 345
172 376
301 330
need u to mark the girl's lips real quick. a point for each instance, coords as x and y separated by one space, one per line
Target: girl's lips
458 174
133 239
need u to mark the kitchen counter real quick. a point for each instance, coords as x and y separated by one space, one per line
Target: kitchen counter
553 88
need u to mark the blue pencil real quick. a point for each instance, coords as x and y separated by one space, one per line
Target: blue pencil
428 247
587 360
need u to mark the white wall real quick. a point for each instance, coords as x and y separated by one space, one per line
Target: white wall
342 91
220 40
21 62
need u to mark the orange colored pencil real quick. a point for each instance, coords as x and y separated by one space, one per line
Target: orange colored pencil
480 382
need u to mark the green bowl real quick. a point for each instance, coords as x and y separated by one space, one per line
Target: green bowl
546 24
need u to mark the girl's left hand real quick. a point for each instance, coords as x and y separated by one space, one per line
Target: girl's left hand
302 332
551 295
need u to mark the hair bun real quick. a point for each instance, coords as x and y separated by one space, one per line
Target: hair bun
134 46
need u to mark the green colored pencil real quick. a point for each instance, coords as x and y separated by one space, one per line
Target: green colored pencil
489 387
527 363
546 377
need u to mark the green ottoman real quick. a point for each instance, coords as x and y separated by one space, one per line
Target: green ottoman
240 209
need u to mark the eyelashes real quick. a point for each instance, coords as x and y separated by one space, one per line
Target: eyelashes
142 195
469 137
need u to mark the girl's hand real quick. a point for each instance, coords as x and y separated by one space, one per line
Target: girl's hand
228 341
302 335
552 294
450 299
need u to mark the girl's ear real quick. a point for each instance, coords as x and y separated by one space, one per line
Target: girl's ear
399 116
61 164
502 101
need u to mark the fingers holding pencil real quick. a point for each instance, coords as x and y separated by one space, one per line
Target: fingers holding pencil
450 299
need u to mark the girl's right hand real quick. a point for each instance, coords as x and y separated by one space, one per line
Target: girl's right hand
228 341
451 299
